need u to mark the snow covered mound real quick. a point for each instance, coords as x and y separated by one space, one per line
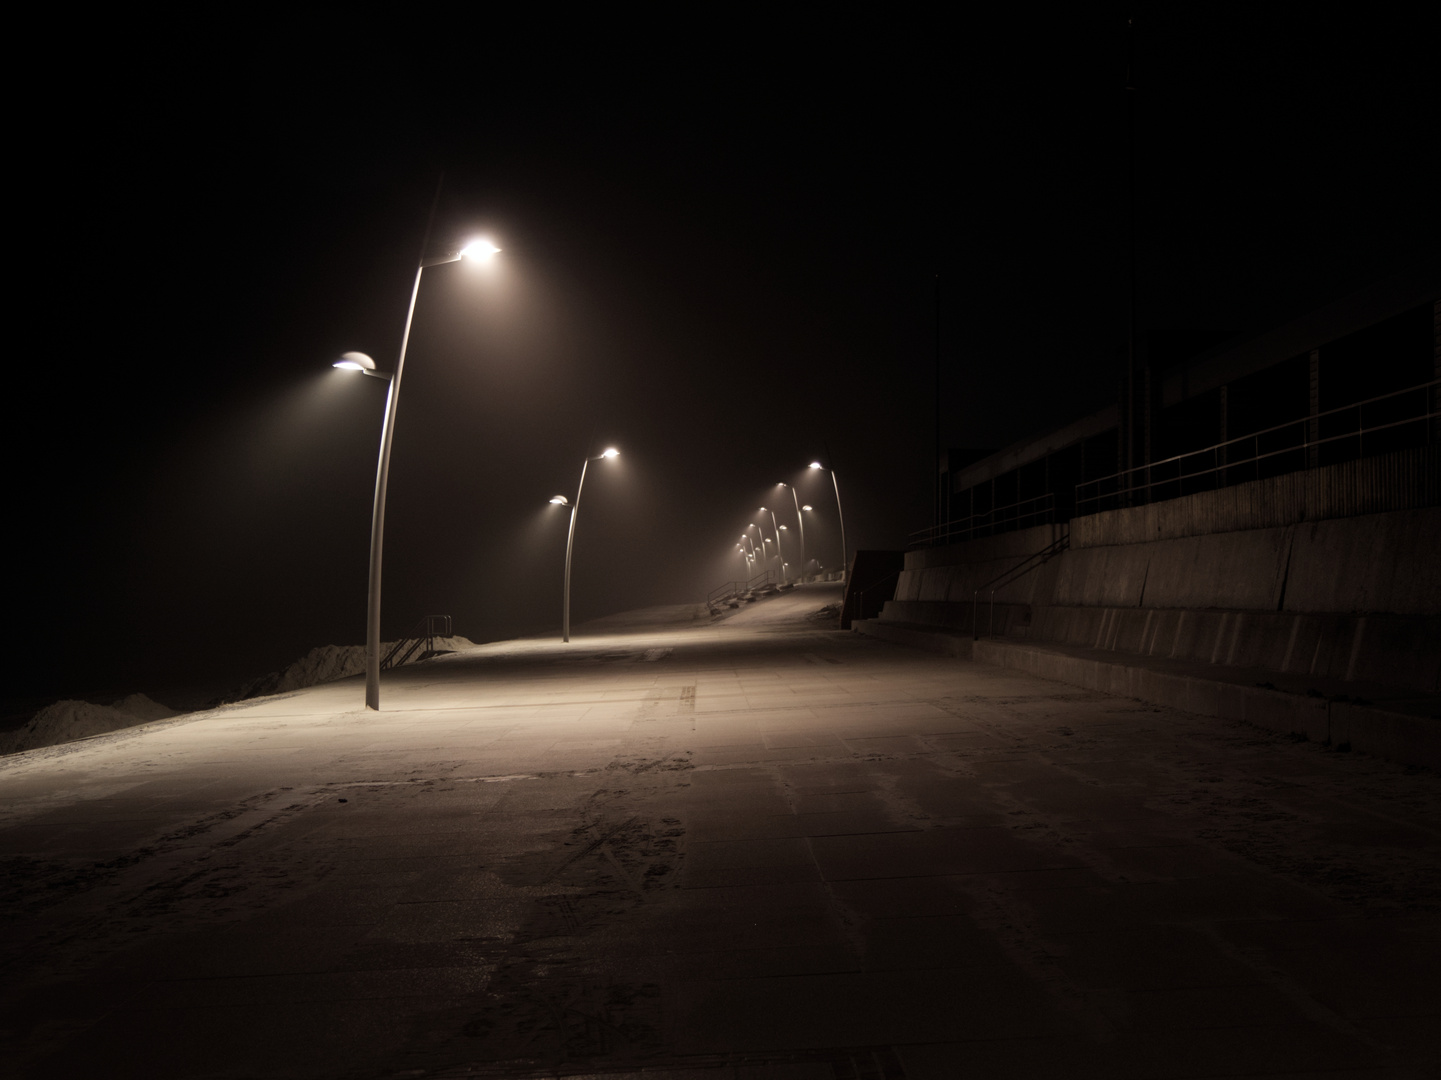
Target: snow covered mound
66 721
328 663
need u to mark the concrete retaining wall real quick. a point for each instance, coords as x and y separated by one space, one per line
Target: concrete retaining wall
1356 599
953 574
1373 563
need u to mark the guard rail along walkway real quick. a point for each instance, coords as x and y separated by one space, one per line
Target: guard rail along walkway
420 639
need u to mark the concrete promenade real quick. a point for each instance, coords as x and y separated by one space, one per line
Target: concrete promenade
759 849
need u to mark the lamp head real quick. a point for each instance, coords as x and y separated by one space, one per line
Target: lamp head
560 500
805 507
479 249
354 361
815 465
782 528
610 452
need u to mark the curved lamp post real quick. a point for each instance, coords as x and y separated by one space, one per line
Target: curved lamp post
747 538
762 559
781 555
801 524
560 500
840 516
478 249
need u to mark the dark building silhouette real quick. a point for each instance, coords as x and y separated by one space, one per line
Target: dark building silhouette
1354 379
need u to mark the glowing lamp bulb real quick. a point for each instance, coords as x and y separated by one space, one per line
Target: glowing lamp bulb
479 250
815 465
560 500
354 361
805 507
610 452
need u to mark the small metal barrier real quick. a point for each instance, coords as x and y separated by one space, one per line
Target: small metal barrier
424 634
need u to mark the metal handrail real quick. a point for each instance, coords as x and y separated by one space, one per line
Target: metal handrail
722 593
426 630
1015 573
1221 462
765 577
860 612
950 531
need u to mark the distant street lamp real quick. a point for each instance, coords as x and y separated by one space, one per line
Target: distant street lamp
747 538
840 516
781 555
801 524
560 500
351 361
761 556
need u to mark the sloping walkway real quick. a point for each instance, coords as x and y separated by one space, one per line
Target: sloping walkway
760 849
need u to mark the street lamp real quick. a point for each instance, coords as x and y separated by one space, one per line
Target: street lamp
781 555
476 249
559 500
747 538
840 516
796 499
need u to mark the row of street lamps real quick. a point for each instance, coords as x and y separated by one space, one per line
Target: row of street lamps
354 361
755 554
359 362
483 250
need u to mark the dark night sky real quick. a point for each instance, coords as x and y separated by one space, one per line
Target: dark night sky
720 249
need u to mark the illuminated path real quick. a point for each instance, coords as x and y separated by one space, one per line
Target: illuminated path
760 849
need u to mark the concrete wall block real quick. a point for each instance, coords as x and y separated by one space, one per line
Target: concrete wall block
1240 570
1334 566
908 585
1253 642
1130 625
1102 577
1397 650
935 583
1331 653
1196 635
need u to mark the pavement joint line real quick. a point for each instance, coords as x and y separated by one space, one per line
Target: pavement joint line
441 780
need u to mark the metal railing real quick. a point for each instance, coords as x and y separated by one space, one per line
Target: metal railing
860 611
764 578
424 634
1306 442
1034 561
721 594
1040 510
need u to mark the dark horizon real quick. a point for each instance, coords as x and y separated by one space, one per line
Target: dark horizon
724 263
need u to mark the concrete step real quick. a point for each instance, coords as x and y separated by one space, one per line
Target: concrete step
1390 722
937 639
